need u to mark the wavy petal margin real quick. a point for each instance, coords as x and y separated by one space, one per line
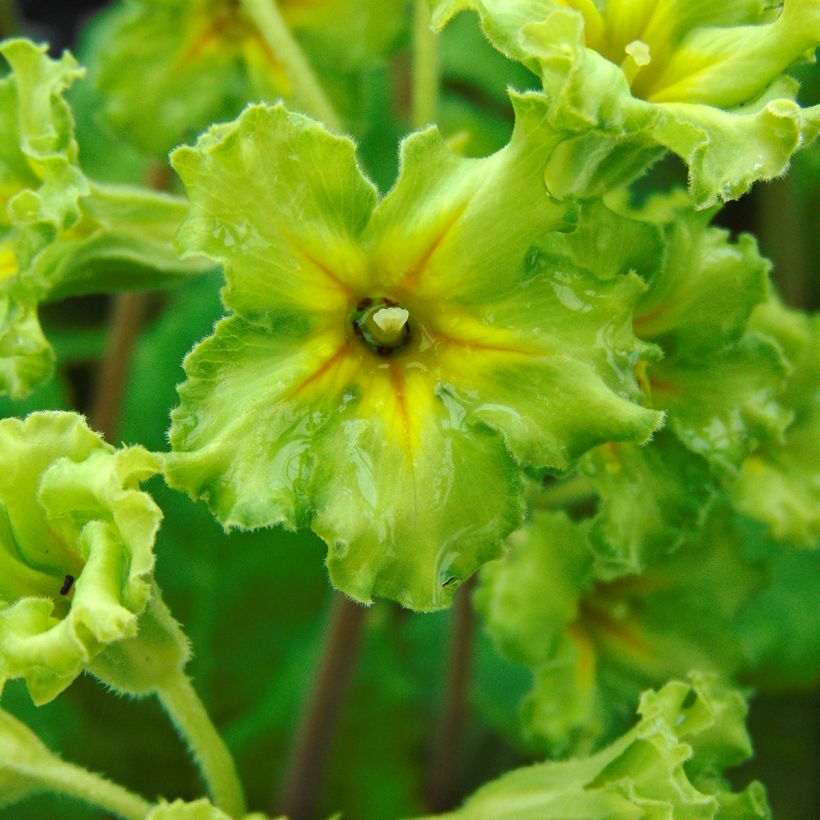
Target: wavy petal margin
407 464
77 548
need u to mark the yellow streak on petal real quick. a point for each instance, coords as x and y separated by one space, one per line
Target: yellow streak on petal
587 659
8 262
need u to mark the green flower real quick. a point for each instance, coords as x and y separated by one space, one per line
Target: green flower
705 80
591 645
201 61
76 539
60 233
720 380
670 764
389 364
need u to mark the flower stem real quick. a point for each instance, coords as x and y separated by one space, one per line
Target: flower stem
180 700
444 775
322 708
126 322
70 779
268 20
425 66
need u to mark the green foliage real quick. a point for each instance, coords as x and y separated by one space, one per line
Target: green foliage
533 323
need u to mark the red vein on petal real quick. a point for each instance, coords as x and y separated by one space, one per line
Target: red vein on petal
333 277
325 367
412 277
472 345
401 400
198 46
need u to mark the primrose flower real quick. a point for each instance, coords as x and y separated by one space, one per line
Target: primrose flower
62 234
705 80
201 61
593 645
669 764
389 365
76 539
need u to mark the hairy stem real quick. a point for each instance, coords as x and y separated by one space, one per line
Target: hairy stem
269 22
425 66
445 774
320 715
67 778
126 322
179 698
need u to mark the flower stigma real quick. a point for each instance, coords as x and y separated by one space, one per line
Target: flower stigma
382 324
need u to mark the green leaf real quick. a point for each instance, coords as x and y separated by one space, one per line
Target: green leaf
491 335
77 537
669 764
704 81
592 646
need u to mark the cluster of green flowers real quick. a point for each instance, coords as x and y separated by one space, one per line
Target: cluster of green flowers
423 377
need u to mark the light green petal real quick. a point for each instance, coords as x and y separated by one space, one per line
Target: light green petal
779 484
727 151
669 764
399 518
707 84
274 196
725 406
412 523
26 358
40 180
122 241
250 456
77 538
652 499
430 233
201 809
702 296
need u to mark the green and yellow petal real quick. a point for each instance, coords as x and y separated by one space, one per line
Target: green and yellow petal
77 537
669 764
376 355
704 80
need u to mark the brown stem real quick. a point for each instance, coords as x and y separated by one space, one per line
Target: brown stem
308 756
445 773
126 321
